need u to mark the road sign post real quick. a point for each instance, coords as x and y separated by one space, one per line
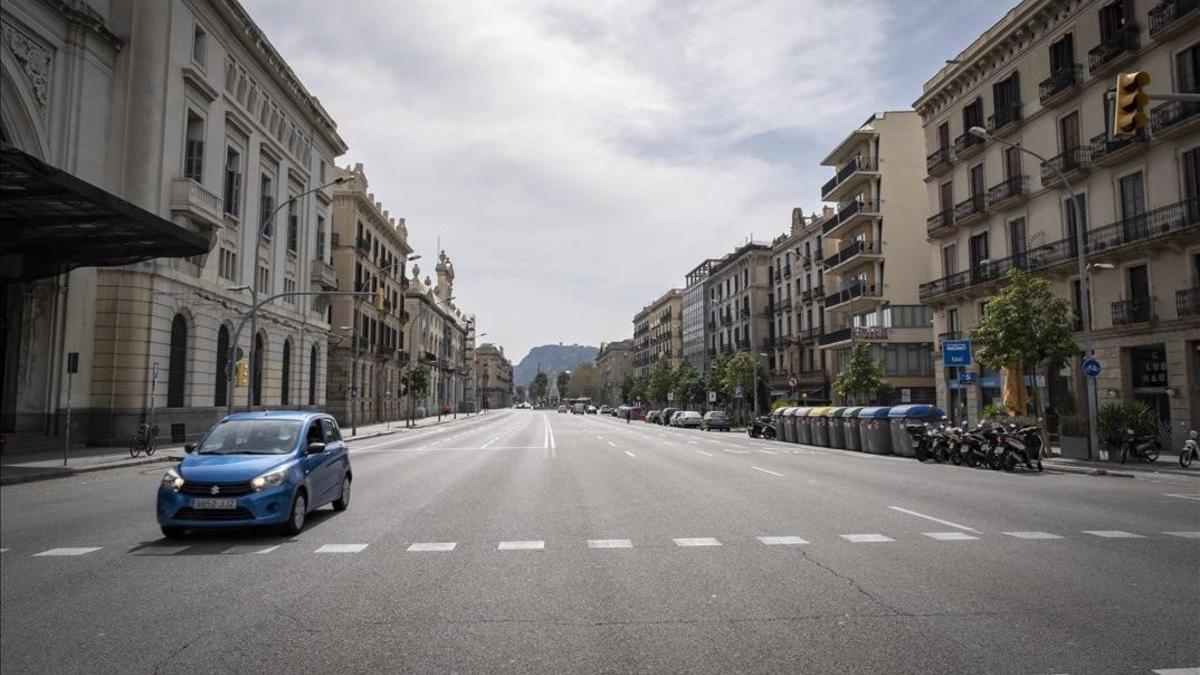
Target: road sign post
956 352
1091 367
72 368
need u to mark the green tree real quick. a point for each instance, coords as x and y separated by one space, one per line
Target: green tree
520 393
659 383
688 386
537 388
1026 324
561 381
585 382
739 371
862 375
628 388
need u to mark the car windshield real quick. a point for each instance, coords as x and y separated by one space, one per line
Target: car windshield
716 415
251 437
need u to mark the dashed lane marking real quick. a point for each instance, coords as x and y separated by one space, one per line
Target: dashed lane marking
159 550
695 541
1185 535
782 541
767 452
865 538
950 536
432 546
1195 498
936 520
68 551
249 550
706 454
1113 534
342 548
773 473
521 546
609 543
1177 671
611 443
630 453
1033 535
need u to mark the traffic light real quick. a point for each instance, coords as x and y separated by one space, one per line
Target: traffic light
242 373
380 298
1129 107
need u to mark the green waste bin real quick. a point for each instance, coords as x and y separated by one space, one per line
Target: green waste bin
837 433
850 425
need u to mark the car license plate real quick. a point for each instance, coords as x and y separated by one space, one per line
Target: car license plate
206 503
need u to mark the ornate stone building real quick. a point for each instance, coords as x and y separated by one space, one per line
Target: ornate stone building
438 338
614 361
495 376
658 332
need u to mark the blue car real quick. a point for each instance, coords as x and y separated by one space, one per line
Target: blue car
257 469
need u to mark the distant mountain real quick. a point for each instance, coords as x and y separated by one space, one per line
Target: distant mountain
552 359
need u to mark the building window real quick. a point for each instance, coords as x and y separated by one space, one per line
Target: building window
266 205
193 148
293 227
227 264
285 376
199 37
312 376
289 286
177 362
220 390
233 182
263 282
256 369
321 238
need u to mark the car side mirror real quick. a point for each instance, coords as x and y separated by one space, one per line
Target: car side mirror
189 448
315 448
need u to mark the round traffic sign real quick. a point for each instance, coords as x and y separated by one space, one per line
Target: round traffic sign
792 382
737 392
1091 366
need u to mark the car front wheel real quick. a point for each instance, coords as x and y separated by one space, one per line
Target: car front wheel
342 502
295 521
173 531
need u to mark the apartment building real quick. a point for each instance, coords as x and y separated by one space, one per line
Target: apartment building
796 363
614 361
695 316
877 185
739 293
437 338
1037 80
366 357
187 112
495 376
658 332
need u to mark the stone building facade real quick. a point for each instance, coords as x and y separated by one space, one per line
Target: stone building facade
739 298
438 338
797 309
658 332
614 361
495 376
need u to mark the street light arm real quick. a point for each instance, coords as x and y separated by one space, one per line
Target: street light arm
271 217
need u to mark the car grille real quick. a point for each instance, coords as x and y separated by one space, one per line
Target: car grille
188 513
205 489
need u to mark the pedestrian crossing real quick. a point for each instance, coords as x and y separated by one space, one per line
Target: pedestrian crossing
208 547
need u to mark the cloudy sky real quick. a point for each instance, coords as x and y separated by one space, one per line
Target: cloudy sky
576 159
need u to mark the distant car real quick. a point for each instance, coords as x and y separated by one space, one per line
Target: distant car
688 419
605 410
257 469
665 417
653 417
714 419
590 410
562 408
526 405
673 420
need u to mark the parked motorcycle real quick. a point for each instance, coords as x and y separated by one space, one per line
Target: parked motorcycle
762 427
1031 436
977 446
921 441
1011 450
1145 446
1190 451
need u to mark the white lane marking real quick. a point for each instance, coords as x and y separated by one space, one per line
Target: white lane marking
5 550
433 546
341 548
773 473
865 538
936 520
521 545
249 549
550 429
737 452
1177 671
1195 498
782 541
611 443
693 443
630 453
160 550
696 541
1113 534
950 536
1033 535
485 445
706 454
1185 535
70 550
769 452
609 543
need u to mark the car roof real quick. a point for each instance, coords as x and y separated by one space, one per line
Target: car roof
302 415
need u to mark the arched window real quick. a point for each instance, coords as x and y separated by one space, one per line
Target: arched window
177 362
256 369
312 376
285 379
221 392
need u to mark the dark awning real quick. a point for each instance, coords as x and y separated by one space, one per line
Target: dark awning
52 222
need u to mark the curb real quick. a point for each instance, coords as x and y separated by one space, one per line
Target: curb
1085 470
50 473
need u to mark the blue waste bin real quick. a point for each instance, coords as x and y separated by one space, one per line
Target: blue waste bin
902 415
874 432
820 426
849 423
837 433
803 430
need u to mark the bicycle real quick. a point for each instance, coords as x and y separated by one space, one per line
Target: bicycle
143 440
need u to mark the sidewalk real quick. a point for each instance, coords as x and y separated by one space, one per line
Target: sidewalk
28 467
1167 463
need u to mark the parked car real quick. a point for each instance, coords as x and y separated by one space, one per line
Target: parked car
605 410
665 416
715 419
257 469
654 416
688 419
674 419
562 408
590 410
577 409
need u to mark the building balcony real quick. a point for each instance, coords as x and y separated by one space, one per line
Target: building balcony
849 176
1005 119
385 351
361 244
787 271
1010 191
971 210
940 224
1106 150
1132 312
1175 118
810 377
1060 83
855 334
1172 16
939 161
857 252
849 216
835 337
809 334
203 209
1117 49
967 145
1072 163
1144 229
855 295
1187 302
322 275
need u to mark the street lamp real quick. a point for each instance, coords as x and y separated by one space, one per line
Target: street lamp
1084 286
353 377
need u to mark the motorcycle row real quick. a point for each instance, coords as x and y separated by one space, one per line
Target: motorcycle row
991 445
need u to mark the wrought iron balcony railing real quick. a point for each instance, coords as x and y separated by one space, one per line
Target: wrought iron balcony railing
1167 14
1128 312
1059 81
1121 42
1013 186
1187 302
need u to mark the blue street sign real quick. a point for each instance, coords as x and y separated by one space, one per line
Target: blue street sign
737 392
967 378
956 352
1091 366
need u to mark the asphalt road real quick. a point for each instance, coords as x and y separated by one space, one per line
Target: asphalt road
525 541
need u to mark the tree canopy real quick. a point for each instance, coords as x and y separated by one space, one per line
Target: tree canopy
862 376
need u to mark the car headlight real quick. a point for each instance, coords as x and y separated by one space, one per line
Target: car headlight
171 480
269 479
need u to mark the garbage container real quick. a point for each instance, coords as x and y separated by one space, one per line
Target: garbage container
787 425
820 426
803 430
780 419
849 423
874 433
837 433
903 415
